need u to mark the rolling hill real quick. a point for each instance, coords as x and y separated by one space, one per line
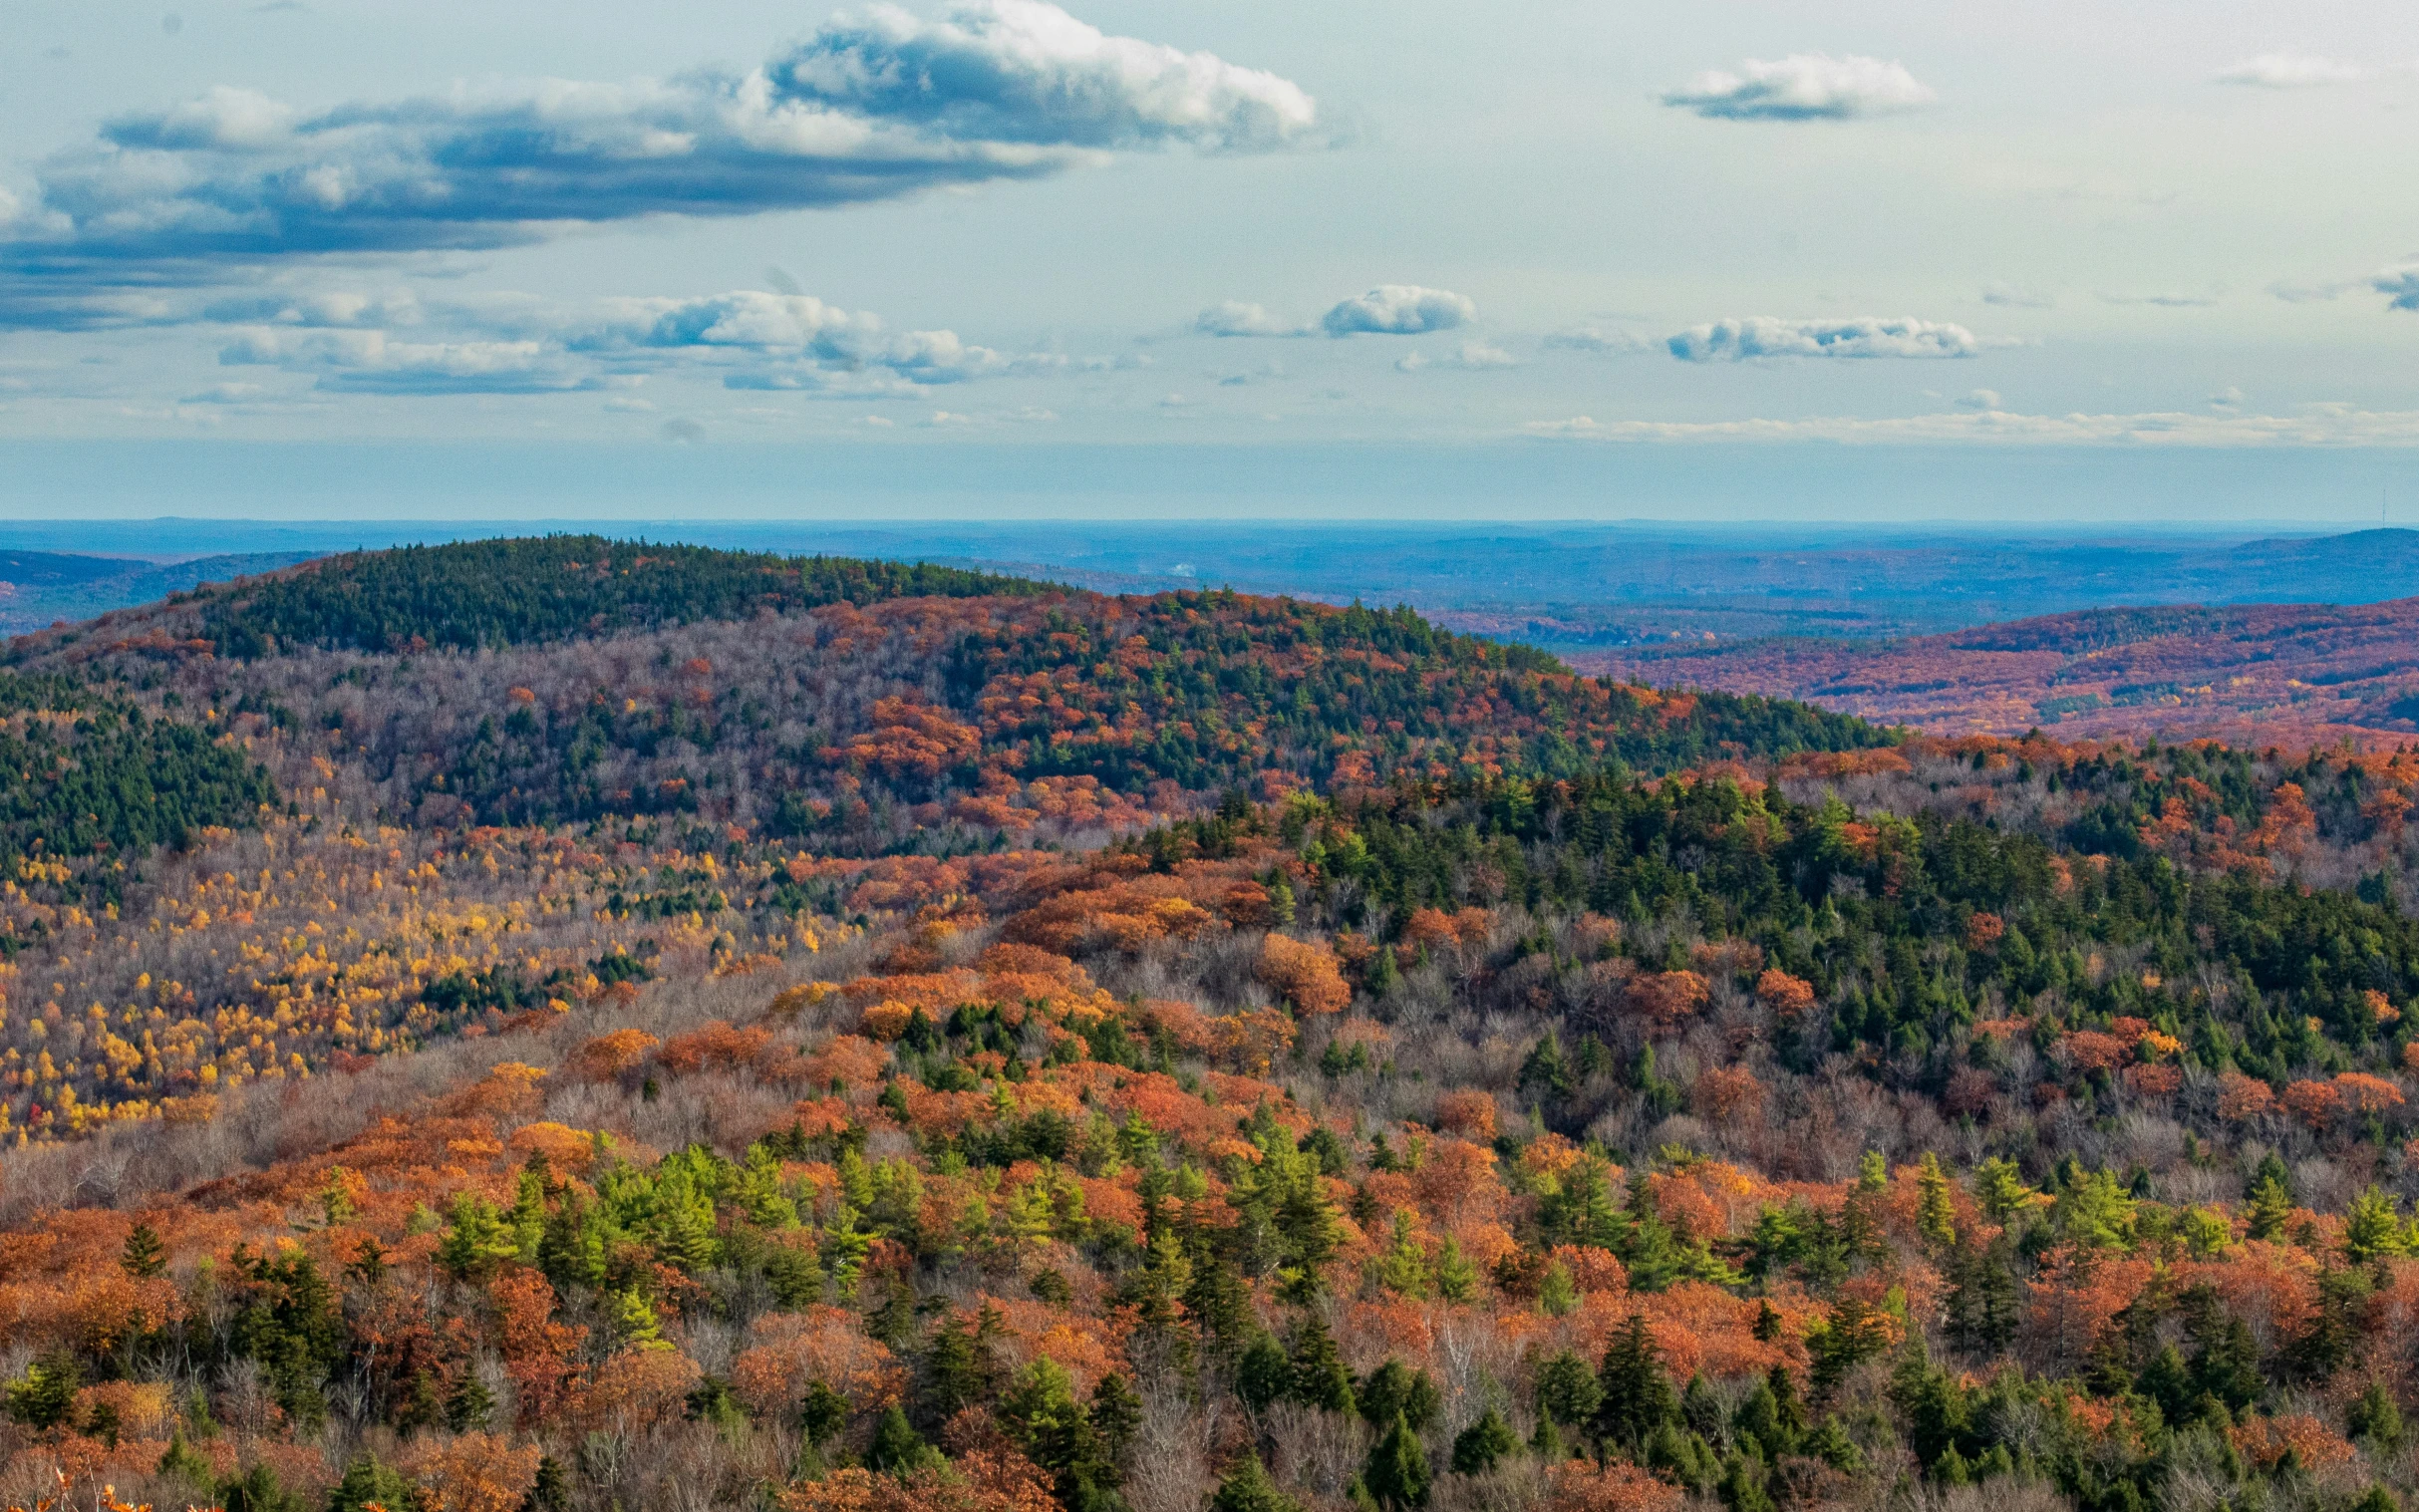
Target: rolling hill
2264 673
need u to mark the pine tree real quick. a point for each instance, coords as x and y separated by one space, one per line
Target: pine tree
1483 1445
1318 1376
181 1462
1396 1389
549 1492
1558 1293
2270 1206
1637 1396
1982 1304
1403 1269
1264 1375
1935 1216
1115 1415
1742 1486
144 1256
1397 1471
1247 1488
368 1480
1456 1276
1385 973
2376 1417
1568 1392
897 1449
2000 1189
470 1406
47 1394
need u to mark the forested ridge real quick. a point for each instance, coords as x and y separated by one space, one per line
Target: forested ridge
995 1050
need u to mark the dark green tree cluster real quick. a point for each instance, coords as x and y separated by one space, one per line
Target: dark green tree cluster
516 592
1878 916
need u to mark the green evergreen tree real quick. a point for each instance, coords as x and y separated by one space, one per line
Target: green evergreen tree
2270 1207
1318 1375
1397 1471
1568 1392
1637 1394
1385 973
550 1491
368 1479
1483 1445
469 1406
1247 1488
47 1395
2376 1419
1558 1292
1396 1389
1935 1215
145 1256
897 1449
1264 1375
1456 1276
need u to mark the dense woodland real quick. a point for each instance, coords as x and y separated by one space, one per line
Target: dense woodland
1157 1054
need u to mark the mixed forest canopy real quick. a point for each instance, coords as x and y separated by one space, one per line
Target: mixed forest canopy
920 1043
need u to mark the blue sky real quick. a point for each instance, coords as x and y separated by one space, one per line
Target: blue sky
1747 260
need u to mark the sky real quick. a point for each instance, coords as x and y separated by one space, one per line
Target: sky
2057 261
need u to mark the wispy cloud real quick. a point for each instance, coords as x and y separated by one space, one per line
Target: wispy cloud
1471 356
751 339
2166 299
2293 70
1607 340
1802 87
2314 426
1867 337
2015 296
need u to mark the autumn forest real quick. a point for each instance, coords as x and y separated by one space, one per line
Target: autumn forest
566 1024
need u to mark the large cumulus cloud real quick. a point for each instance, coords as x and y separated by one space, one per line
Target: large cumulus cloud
1762 335
869 108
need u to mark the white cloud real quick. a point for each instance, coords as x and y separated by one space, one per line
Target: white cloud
219 120
1471 356
2228 398
2292 71
374 362
872 107
1804 87
1399 309
2314 426
1235 318
1602 339
1981 399
1762 335
1024 71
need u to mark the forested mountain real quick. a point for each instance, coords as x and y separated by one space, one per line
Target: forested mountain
723 1032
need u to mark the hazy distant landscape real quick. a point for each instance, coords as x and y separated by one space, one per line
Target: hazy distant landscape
2293 636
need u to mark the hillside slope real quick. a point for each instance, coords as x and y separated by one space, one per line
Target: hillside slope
2282 673
1313 1154
588 753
